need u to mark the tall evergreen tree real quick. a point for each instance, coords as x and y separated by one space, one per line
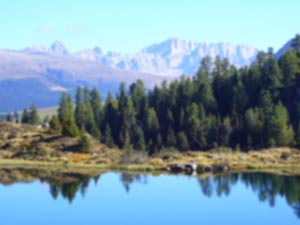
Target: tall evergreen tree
25 116
34 117
296 43
138 139
80 116
108 138
280 133
66 116
97 107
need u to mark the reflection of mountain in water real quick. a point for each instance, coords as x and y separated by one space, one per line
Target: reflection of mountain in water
67 185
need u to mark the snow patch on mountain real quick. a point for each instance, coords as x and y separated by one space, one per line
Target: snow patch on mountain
172 57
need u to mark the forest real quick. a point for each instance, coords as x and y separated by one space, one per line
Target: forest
253 107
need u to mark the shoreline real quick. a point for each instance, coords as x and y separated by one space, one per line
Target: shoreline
157 165
30 147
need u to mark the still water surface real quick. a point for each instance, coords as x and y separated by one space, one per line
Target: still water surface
114 198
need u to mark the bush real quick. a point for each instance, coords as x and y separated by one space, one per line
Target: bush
85 143
132 157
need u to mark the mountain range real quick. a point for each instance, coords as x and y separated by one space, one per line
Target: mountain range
173 57
38 74
40 77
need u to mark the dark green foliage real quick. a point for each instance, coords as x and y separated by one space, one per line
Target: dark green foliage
31 116
171 139
97 107
25 116
85 143
55 125
253 107
108 139
296 43
79 110
139 139
34 118
279 132
182 142
9 117
66 116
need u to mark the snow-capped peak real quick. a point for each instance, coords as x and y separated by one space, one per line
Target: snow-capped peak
58 48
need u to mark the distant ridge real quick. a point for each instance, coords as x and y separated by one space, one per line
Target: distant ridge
173 57
40 74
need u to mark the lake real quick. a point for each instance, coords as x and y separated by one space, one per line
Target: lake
42 197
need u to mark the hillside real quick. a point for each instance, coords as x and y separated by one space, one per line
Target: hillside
27 77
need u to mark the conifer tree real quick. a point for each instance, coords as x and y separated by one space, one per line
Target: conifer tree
66 116
9 117
139 139
171 139
25 116
280 133
55 125
182 143
109 141
80 116
34 118
97 107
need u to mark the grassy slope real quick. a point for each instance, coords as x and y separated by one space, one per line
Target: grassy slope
28 146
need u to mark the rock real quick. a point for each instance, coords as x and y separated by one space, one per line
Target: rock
285 156
263 160
190 168
242 157
95 155
208 169
168 158
176 168
221 168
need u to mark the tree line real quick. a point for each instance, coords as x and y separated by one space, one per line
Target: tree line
249 108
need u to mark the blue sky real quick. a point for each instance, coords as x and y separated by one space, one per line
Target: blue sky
127 26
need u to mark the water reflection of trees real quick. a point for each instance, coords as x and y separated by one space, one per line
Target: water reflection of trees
221 185
129 179
70 185
266 186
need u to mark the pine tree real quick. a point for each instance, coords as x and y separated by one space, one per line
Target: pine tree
225 132
34 118
171 139
97 107
193 126
204 92
66 116
254 125
182 143
152 130
137 93
55 125
139 139
80 116
109 141
9 117
296 43
289 65
280 133
111 116
271 76
25 116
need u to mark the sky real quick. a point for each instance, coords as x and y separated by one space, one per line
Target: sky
127 26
